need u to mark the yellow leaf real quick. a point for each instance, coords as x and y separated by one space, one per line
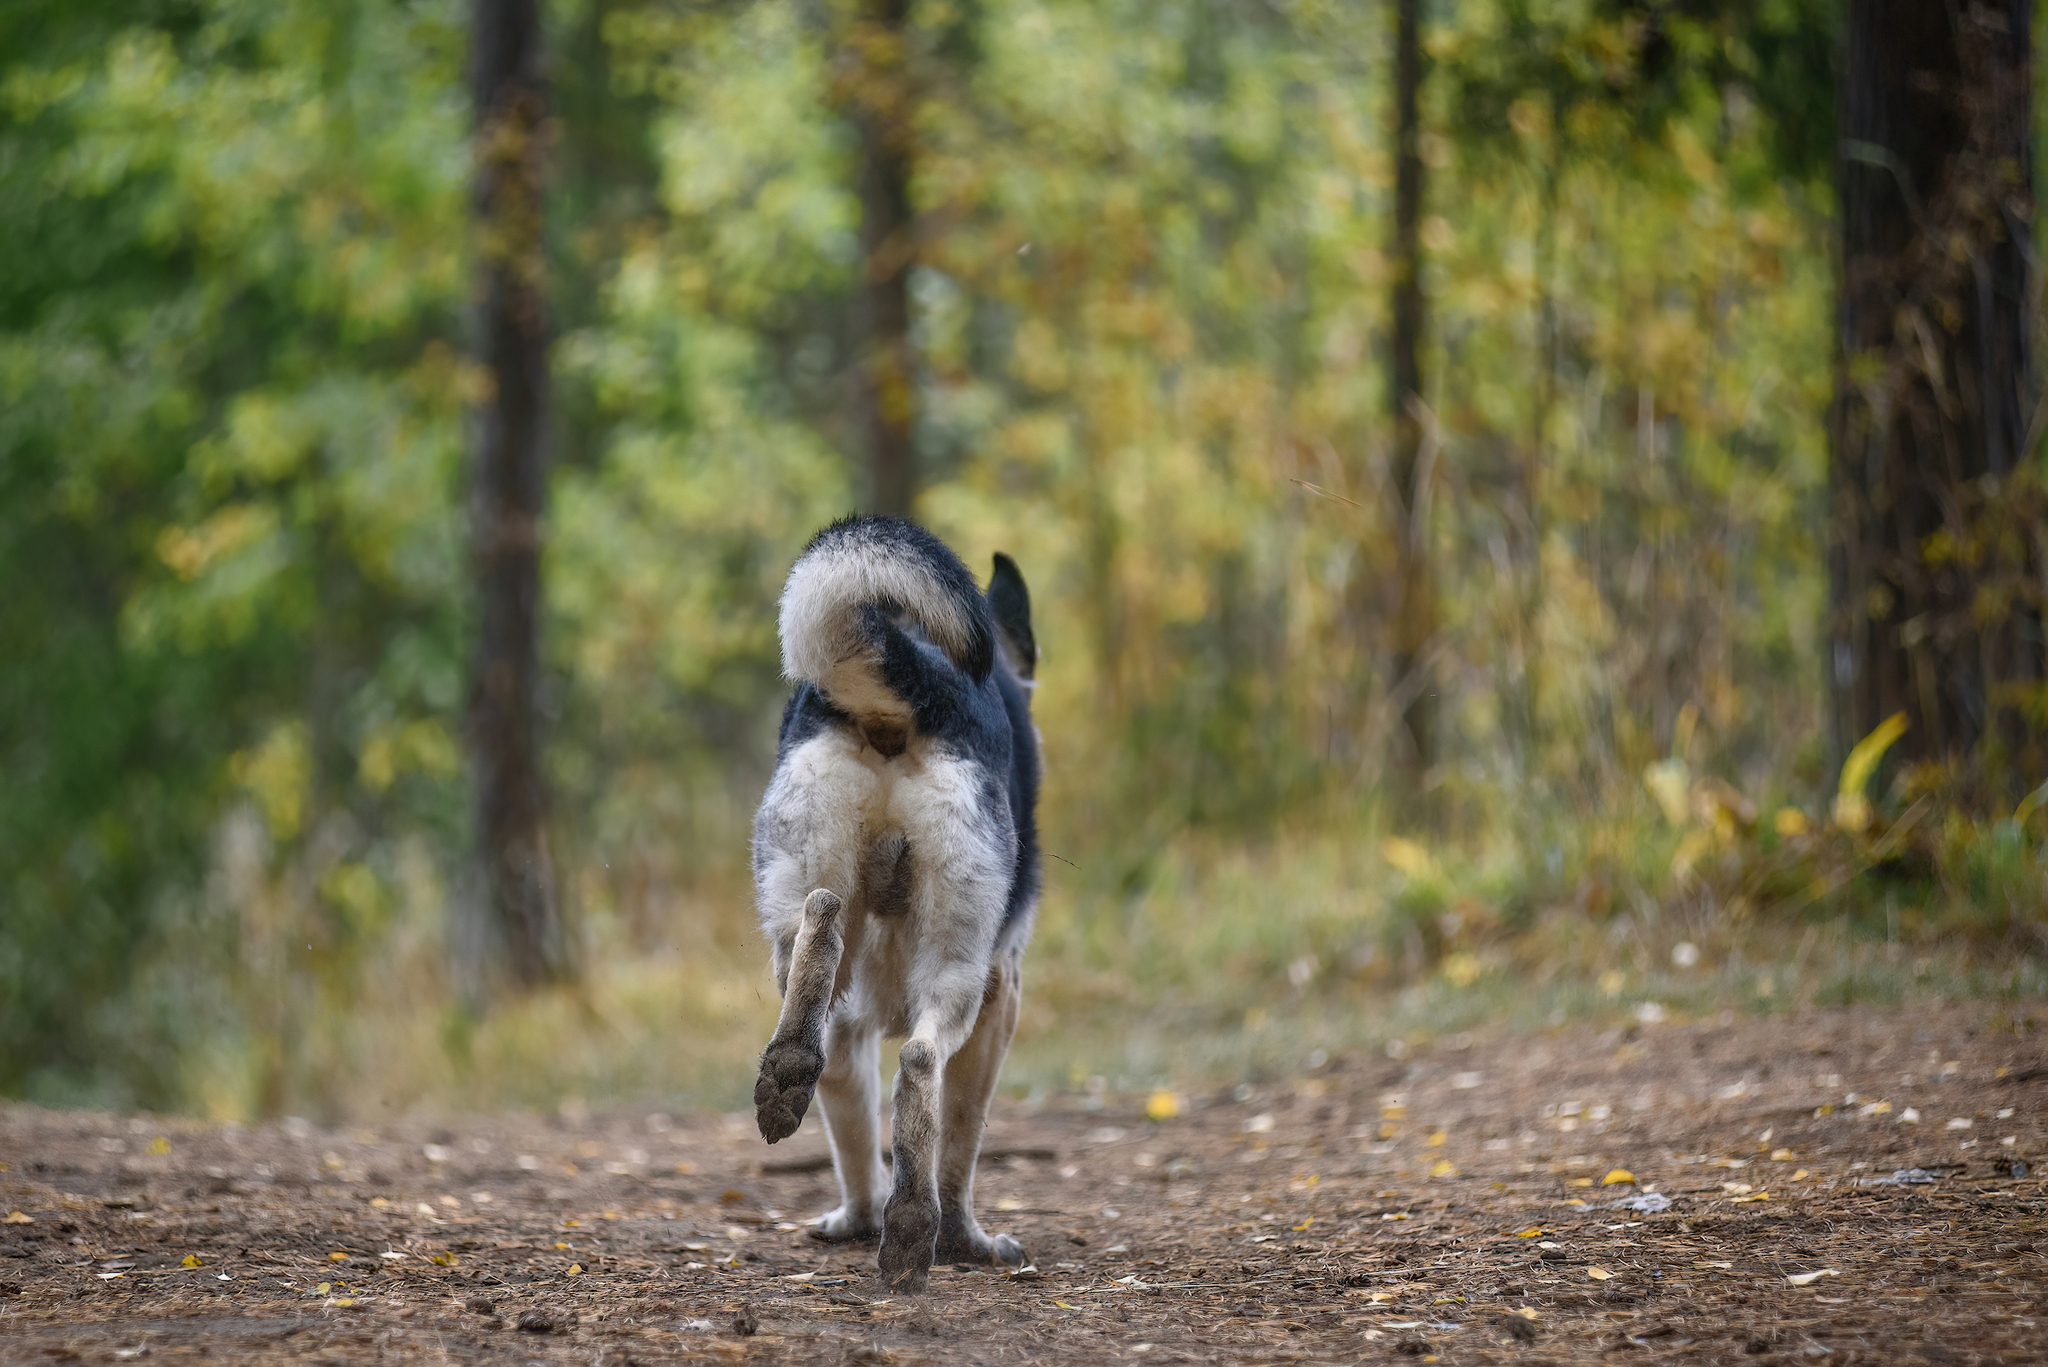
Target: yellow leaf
159 1145
17 1218
571 1222
1800 1176
1394 1111
1443 1167
1759 1196
560 1244
1863 757
443 1260
1438 1138
1599 1274
1162 1105
346 1300
323 1288
1526 1313
1405 855
1064 1306
1671 785
191 1260
1009 1203
1616 1177
575 1269
1789 821
337 1257
1532 1232
1582 1182
1388 1129
1781 1155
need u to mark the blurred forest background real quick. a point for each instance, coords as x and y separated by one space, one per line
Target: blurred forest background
1434 582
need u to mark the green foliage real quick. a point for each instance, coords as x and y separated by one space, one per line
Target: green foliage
1150 300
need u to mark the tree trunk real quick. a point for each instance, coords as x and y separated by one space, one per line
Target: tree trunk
521 928
876 94
1934 559
1415 610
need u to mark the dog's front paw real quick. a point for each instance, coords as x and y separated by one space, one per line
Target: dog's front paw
909 1229
789 1074
845 1225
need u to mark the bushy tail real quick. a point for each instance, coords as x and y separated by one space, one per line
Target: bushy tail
887 563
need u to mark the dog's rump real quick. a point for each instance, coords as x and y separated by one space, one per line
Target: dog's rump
887 636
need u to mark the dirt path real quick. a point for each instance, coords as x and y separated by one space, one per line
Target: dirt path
1454 1206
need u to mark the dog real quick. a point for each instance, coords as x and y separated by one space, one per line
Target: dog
896 874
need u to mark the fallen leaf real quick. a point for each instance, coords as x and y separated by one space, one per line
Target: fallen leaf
191 1260
1162 1105
1809 1278
1443 1167
17 1218
159 1145
443 1260
1781 1155
1801 1175
1581 1182
1436 1139
323 1288
1064 1306
1599 1274
1616 1177
337 1257
575 1270
1531 1232
1009 1203
1759 1196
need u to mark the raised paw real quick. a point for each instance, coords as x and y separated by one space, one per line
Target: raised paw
909 1230
789 1074
964 1241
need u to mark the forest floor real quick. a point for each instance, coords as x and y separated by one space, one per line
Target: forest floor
1827 1187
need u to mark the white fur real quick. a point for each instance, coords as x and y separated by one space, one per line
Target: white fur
822 600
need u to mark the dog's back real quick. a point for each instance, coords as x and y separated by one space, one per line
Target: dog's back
896 874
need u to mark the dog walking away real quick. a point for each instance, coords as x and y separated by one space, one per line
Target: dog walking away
896 874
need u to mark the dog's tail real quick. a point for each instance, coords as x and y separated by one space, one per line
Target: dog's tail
860 564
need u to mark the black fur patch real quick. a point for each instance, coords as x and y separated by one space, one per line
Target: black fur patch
1010 600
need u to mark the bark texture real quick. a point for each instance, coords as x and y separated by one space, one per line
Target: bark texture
522 929
875 91
1935 556
1415 608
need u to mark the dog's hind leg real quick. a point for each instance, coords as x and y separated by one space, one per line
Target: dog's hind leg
970 1084
850 1095
795 1055
949 995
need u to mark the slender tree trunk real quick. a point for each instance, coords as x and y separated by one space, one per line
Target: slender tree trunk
876 94
1933 561
522 931
1415 612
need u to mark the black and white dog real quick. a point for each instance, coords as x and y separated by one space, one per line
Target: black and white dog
896 875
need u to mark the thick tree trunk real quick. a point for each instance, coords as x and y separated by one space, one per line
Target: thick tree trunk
876 94
1934 557
521 927
1415 609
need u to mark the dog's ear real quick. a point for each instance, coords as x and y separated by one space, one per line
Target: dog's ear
1011 603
